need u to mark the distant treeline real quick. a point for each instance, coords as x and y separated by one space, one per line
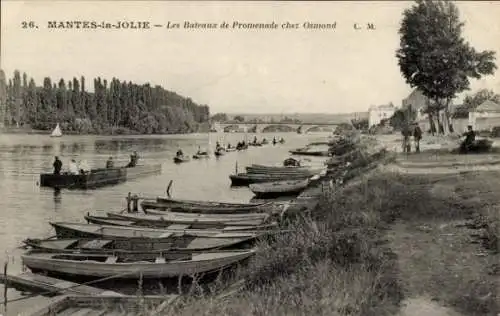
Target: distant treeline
115 106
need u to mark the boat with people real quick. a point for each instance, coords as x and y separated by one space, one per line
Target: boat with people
148 265
278 188
96 178
56 132
180 157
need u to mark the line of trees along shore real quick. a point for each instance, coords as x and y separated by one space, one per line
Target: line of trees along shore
115 107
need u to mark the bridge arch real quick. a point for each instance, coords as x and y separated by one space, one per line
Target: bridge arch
278 128
232 128
325 128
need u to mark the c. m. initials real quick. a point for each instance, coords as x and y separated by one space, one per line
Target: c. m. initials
368 26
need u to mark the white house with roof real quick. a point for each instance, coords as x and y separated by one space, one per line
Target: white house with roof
485 116
378 113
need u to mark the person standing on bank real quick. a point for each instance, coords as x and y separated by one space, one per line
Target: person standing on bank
417 136
406 132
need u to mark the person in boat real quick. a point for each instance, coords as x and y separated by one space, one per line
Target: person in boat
73 168
274 141
57 165
417 136
282 140
179 153
228 146
110 163
134 158
255 140
470 137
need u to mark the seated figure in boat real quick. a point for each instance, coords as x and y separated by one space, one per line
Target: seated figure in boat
57 165
274 141
291 162
282 140
255 140
179 153
84 167
134 158
110 163
228 146
73 168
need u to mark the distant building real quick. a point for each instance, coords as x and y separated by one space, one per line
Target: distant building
378 113
418 102
485 116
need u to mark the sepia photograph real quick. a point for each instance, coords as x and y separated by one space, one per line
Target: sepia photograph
249 158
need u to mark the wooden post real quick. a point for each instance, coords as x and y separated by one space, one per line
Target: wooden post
236 168
5 284
169 186
128 202
135 200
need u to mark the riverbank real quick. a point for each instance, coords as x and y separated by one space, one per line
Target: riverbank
385 243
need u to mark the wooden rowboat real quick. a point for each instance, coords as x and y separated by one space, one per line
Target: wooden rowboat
97 177
147 266
220 208
80 230
243 179
278 188
105 220
200 220
177 243
282 171
208 203
181 159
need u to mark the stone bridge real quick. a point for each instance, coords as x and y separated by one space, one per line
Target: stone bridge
244 127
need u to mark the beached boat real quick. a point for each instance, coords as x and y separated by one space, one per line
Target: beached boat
306 152
80 230
220 152
243 179
177 243
105 220
208 203
281 170
181 159
56 132
216 208
97 177
197 220
278 188
145 266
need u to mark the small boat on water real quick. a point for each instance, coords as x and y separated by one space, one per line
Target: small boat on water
181 159
243 179
80 230
230 149
97 177
220 152
56 132
176 243
201 155
197 220
278 188
131 267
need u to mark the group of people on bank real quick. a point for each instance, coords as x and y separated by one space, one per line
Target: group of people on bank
83 168
414 130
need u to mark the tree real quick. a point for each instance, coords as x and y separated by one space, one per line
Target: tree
401 118
435 58
239 118
219 117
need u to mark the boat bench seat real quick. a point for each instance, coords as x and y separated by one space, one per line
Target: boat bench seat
111 259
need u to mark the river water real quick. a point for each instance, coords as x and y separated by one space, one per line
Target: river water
27 208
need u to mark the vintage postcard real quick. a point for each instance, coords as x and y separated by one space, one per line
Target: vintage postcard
249 157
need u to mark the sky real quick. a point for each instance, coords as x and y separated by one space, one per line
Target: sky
234 70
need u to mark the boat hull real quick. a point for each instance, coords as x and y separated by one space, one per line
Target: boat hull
277 189
247 179
97 177
101 266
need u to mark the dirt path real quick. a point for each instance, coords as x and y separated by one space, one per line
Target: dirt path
417 306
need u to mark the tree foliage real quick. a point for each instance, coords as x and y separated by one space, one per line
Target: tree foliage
471 102
434 57
113 106
220 117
